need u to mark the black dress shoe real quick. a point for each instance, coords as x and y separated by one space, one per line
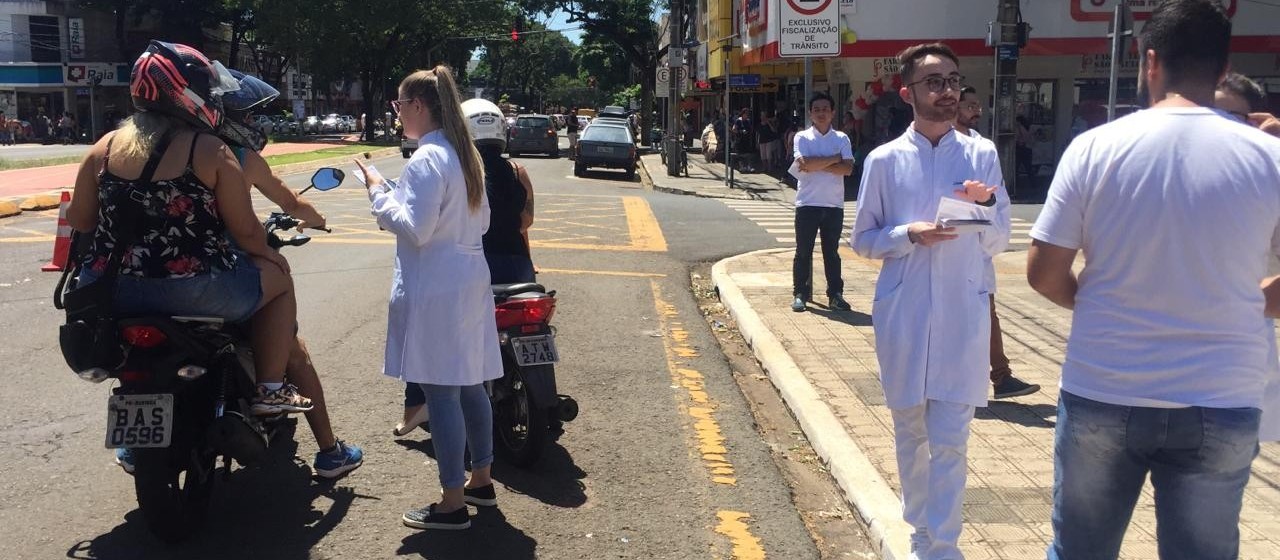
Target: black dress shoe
838 303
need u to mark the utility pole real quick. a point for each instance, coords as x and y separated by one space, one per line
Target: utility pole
675 63
1004 36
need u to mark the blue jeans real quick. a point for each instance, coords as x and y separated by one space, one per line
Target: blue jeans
1199 463
460 417
232 294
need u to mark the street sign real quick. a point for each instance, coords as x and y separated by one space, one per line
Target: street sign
744 80
1007 52
662 80
809 28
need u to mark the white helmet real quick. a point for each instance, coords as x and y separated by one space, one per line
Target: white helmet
486 122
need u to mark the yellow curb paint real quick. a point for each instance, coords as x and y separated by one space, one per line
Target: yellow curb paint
45 239
41 202
646 235
8 208
675 342
733 524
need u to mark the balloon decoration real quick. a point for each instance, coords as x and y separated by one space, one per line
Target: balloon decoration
862 104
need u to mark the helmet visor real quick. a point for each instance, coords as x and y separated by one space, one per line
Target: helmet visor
223 81
252 94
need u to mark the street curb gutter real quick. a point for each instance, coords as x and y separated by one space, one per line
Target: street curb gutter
685 192
52 199
864 488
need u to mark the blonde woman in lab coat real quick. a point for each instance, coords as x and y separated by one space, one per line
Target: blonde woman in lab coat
441 333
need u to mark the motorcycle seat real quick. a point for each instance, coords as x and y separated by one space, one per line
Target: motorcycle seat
505 290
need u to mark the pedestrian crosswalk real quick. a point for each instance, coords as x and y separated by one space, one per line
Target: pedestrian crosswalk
778 219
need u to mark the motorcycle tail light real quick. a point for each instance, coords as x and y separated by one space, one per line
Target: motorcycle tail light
94 375
525 312
191 373
142 336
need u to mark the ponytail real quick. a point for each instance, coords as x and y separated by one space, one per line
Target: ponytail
440 93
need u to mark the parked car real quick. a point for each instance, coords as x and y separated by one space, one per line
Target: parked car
350 122
583 121
311 125
407 147
284 125
533 133
330 123
615 112
606 145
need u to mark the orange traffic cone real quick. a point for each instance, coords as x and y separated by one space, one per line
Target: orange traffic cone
61 245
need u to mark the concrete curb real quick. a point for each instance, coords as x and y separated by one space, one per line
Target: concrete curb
864 488
686 192
45 201
52 199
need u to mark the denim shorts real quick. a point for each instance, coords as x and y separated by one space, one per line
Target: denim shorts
230 294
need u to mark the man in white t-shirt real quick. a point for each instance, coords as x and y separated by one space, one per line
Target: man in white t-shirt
824 157
930 312
1176 209
1003 383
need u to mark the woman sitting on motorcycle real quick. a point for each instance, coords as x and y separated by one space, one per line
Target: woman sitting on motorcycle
187 193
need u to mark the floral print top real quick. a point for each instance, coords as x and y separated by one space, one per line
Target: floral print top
180 236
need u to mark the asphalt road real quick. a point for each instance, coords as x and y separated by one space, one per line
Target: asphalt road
664 461
39 151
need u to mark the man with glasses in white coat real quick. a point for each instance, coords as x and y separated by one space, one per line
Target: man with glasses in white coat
931 312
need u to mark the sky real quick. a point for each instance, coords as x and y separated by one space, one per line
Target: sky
559 21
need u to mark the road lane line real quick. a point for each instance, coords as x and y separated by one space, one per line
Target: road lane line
602 272
646 235
733 524
675 343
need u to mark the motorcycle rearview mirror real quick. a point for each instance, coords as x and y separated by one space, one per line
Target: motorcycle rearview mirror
327 178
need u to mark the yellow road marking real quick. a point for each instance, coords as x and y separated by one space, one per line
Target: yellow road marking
675 341
45 239
645 233
602 272
745 545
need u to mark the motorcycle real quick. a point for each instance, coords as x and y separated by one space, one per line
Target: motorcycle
527 409
183 399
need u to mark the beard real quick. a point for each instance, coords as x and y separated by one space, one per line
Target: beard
934 113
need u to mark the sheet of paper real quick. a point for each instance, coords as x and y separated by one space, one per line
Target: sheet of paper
373 171
795 171
964 216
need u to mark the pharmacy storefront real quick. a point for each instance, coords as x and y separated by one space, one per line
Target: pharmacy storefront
1062 72
29 90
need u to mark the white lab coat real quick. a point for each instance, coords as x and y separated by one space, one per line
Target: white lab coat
440 322
931 314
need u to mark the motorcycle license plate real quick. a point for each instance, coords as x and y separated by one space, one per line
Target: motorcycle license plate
535 350
139 420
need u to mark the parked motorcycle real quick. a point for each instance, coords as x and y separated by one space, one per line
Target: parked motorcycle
527 409
183 399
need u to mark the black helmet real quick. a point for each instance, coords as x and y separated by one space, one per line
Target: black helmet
239 106
178 80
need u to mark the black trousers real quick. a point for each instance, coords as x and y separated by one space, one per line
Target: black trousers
812 221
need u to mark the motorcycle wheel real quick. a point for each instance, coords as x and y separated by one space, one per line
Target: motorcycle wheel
173 493
520 425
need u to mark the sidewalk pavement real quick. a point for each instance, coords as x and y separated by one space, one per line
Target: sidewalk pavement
31 189
708 180
824 365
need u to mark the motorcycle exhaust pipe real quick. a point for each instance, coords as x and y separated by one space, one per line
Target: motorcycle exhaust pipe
567 408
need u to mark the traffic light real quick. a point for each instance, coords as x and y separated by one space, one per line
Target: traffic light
517 28
515 35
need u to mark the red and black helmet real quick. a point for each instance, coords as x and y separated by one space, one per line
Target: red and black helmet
180 81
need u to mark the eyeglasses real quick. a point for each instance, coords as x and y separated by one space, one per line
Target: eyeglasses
936 83
396 103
